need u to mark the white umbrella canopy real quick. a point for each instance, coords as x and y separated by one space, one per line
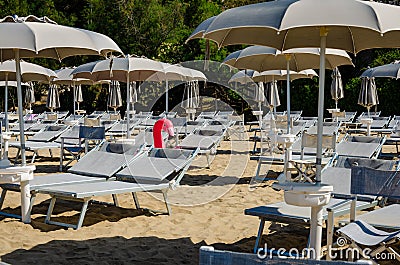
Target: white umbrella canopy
350 25
53 98
42 37
29 72
276 75
368 96
337 91
263 58
120 69
31 36
243 77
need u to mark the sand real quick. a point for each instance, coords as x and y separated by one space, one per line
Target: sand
208 209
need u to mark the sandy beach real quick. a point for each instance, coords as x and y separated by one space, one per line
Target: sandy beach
207 209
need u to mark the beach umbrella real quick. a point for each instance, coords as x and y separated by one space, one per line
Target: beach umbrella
351 25
29 96
243 77
114 96
276 75
29 72
124 69
191 98
337 91
53 98
64 77
391 70
263 58
368 96
33 37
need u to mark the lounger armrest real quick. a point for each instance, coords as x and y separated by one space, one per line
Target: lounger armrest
339 205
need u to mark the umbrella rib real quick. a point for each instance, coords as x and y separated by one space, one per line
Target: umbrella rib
223 40
352 40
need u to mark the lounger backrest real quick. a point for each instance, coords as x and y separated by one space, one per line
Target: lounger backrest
368 181
92 133
106 161
91 121
349 162
205 132
364 139
170 153
49 133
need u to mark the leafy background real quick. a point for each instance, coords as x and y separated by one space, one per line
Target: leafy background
158 29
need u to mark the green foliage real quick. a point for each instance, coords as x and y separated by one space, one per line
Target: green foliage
158 29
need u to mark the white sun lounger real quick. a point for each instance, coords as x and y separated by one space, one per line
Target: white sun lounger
157 171
98 165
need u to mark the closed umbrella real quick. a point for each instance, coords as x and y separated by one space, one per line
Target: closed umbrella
29 96
78 95
114 96
351 25
53 98
191 98
31 36
272 95
368 96
337 91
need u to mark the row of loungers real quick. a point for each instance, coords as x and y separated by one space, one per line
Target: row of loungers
111 169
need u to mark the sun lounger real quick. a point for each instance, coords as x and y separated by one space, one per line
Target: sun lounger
288 214
206 141
98 165
156 171
360 146
42 140
363 231
119 129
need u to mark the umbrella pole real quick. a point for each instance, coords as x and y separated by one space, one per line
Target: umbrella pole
166 96
288 57
6 104
316 212
73 89
128 119
20 107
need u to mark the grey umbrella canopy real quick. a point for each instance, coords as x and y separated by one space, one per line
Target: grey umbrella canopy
31 36
243 77
368 96
337 91
391 70
114 96
29 95
53 98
